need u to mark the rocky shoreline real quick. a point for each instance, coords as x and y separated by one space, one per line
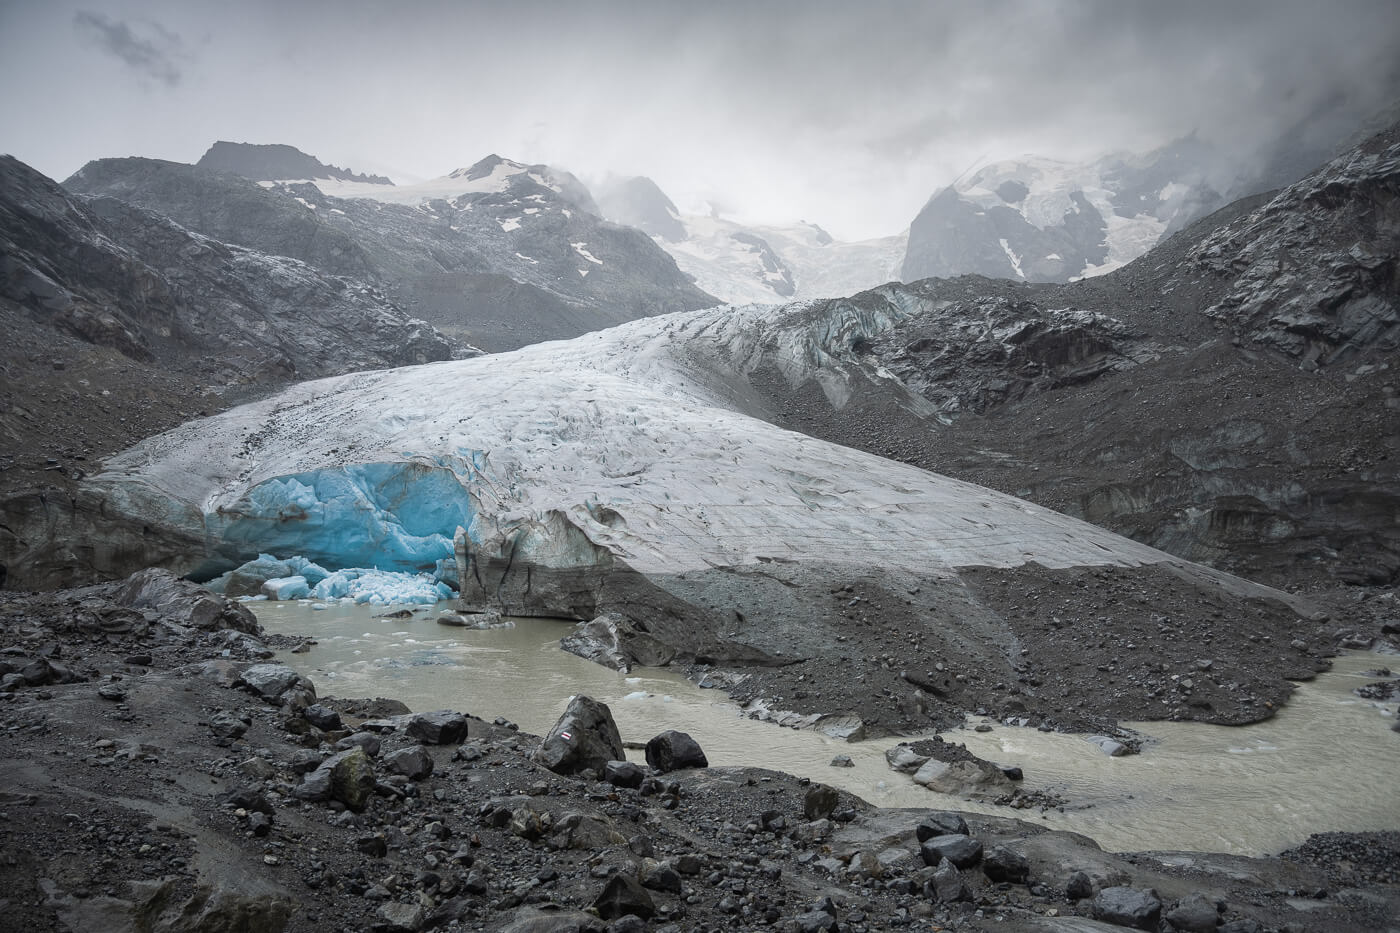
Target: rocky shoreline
161 774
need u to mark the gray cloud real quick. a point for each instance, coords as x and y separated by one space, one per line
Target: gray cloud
846 114
154 54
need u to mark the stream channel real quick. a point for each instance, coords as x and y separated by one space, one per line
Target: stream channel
1327 761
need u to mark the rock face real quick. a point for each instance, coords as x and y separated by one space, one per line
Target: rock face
1312 273
458 250
264 316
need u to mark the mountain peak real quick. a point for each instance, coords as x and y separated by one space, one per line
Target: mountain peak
486 167
276 162
639 202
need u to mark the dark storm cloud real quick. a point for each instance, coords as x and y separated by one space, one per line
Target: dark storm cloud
153 55
913 74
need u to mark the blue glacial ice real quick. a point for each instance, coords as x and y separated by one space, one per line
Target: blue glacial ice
382 586
287 588
389 516
267 567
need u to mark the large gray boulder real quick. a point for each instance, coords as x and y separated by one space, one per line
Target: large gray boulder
962 851
615 641
184 603
672 750
439 727
1125 906
584 737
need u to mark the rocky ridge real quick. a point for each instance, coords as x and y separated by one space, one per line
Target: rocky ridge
121 323
498 254
276 162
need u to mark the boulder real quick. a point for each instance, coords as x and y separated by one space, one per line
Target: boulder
370 742
229 726
623 774
315 786
820 802
1079 886
962 851
672 750
615 641
946 885
940 823
660 876
399 917
623 895
1111 746
277 684
581 831
1124 906
904 759
1194 913
413 763
346 776
584 737
184 603
440 727
961 777
1004 864
322 717
844 727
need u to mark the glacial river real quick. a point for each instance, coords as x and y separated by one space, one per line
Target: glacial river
1327 761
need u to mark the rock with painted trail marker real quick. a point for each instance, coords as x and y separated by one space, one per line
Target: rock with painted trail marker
584 737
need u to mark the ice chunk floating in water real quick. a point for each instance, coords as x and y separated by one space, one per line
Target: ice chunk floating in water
380 586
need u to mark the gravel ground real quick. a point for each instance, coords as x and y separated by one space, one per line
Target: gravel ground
157 791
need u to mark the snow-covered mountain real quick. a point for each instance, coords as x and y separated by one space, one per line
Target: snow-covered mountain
491 175
1041 220
752 263
498 254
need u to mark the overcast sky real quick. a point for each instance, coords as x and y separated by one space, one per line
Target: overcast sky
848 114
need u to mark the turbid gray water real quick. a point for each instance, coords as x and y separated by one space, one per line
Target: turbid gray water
1327 761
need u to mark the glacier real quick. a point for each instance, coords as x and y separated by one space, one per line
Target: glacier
641 437
630 475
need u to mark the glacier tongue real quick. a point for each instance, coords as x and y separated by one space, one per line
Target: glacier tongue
631 434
